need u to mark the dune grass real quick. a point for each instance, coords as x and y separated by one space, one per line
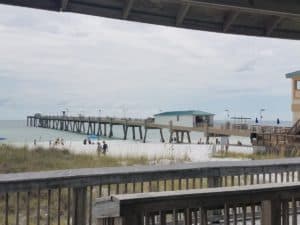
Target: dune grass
257 155
21 159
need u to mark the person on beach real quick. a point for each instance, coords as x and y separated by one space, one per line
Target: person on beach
278 121
99 148
34 142
104 147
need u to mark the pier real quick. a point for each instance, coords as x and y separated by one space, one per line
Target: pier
104 126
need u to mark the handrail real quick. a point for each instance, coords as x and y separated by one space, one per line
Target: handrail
110 175
165 207
74 191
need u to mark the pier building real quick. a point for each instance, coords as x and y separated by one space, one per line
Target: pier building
295 78
187 118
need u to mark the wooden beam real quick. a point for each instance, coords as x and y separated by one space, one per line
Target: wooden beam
63 5
229 20
272 24
184 8
127 9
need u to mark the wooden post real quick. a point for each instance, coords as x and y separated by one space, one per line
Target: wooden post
226 215
171 136
188 136
125 132
145 135
270 212
161 135
105 133
141 133
111 130
177 136
133 132
99 129
182 136
79 206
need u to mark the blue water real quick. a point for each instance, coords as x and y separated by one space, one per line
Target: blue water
16 131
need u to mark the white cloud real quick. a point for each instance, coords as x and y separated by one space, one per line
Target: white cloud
57 60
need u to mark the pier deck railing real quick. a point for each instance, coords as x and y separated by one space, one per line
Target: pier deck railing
65 197
264 204
103 126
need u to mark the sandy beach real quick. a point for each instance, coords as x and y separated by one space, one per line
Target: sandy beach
194 152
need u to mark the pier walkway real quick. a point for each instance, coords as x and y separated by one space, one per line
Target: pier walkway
104 126
68 196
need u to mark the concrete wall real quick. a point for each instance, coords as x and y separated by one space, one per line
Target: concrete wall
184 120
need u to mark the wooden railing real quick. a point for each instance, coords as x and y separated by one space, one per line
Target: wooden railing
66 197
264 204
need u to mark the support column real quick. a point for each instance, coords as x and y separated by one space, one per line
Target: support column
188 136
111 130
125 132
171 136
99 133
79 206
133 132
141 133
161 135
270 212
145 135
105 133
177 137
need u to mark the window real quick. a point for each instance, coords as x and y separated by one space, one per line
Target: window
177 118
298 84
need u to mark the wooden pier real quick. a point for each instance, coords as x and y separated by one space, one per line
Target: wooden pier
104 126
277 139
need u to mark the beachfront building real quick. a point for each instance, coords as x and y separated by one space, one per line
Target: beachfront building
295 77
188 118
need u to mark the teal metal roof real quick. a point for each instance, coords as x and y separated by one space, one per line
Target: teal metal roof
186 112
293 74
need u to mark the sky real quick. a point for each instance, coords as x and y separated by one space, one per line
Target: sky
52 61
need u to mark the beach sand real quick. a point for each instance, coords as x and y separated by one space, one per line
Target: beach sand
193 152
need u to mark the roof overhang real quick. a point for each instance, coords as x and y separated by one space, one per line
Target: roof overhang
293 75
267 18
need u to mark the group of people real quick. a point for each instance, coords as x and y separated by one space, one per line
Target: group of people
102 148
55 143
58 141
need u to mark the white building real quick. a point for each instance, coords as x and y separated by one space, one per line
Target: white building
189 118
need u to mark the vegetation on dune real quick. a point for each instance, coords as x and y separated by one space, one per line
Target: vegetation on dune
20 159
257 155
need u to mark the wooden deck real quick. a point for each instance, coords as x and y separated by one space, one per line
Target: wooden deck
272 203
67 196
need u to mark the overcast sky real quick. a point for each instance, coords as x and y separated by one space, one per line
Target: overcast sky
54 61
